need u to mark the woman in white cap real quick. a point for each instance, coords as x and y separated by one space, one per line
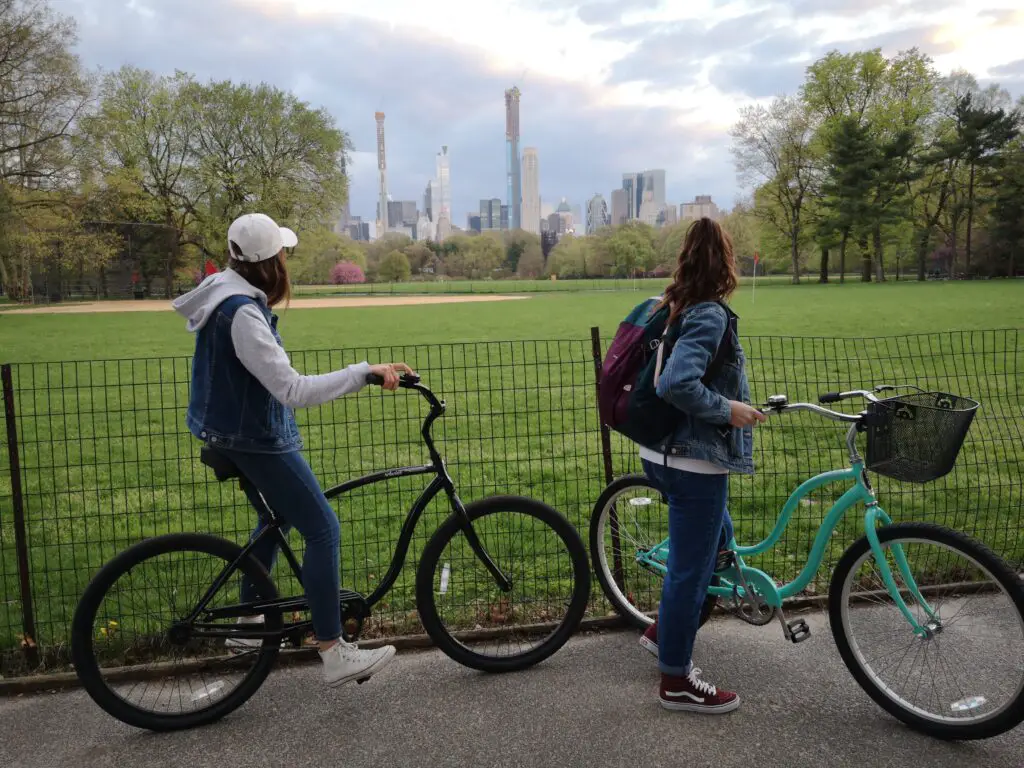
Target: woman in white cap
243 392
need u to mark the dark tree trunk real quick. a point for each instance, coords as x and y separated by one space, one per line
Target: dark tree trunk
922 254
795 254
970 224
879 254
866 265
842 256
823 277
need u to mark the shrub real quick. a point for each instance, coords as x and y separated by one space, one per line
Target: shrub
347 273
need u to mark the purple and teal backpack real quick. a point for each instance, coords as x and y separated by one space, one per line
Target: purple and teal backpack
628 399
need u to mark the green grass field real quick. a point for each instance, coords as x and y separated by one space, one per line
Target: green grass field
850 310
106 458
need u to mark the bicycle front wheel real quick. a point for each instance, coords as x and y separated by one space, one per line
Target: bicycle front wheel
133 652
631 516
461 605
961 677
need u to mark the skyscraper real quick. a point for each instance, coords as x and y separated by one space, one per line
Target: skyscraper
443 203
637 184
382 169
597 213
620 213
514 172
428 200
531 191
701 206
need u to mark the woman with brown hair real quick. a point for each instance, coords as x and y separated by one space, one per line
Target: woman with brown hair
241 399
714 438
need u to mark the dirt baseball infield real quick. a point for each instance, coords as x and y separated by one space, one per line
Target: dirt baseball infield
308 303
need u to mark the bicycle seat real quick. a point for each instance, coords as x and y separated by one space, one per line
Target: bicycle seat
223 467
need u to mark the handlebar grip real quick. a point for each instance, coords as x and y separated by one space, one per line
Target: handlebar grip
830 397
405 380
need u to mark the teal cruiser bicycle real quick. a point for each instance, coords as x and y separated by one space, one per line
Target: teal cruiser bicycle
929 621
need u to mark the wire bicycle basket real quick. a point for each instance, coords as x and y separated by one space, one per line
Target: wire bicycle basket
917 437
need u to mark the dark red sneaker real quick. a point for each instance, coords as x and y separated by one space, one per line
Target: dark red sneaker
649 639
691 694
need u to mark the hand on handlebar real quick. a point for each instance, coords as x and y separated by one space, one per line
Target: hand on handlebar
388 375
743 415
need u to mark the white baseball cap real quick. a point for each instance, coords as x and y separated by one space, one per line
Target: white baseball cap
258 237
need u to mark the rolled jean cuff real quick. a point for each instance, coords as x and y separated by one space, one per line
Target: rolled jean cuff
675 671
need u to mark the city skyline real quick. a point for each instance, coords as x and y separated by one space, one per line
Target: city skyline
607 87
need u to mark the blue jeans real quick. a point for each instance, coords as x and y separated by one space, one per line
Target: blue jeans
698 526
291 489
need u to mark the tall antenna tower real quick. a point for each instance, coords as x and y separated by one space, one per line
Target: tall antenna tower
382 169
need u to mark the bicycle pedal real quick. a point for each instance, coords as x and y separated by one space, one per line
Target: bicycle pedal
797 630
725 560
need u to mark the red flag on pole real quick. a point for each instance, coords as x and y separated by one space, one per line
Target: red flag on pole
756 258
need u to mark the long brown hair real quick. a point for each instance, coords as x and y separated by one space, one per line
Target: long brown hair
706 268
269 275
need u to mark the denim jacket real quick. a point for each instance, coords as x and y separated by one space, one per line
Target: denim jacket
228 407
704 432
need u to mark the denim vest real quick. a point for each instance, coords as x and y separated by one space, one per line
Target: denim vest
228 407
704 431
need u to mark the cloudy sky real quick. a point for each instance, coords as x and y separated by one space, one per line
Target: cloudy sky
608 86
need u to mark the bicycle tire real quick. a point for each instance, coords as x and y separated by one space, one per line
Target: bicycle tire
635 618
1012 715
88 669
431 559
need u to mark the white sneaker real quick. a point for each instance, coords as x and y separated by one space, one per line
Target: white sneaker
244 644
344 662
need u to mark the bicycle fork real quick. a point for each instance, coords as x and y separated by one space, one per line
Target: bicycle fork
504 582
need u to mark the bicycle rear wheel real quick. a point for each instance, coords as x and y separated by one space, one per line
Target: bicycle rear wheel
465 612
131 662
631 515
963 678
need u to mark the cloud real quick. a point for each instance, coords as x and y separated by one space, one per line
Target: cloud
1014 70
891 43
432 91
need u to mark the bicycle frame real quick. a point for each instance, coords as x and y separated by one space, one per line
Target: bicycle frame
442 482
859 493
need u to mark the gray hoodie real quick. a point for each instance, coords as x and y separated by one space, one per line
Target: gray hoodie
258 350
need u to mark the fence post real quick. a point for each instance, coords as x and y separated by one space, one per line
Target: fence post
28 621
606 452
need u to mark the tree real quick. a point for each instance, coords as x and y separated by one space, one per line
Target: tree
395 267
743 227
420 256
531 262
319 249
1007 215
142 129
568 259
42 93
261 147
347 273
629 249
981 133
773 149
516 243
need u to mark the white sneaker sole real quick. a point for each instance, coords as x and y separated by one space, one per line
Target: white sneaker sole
364 674
704 709
649 645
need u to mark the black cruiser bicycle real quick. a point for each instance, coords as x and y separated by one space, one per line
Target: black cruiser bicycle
501 585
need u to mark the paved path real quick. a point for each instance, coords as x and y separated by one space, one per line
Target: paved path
591 705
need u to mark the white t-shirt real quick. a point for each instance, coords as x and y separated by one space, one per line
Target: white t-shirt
697 466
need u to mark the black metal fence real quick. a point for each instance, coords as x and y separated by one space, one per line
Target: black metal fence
97 457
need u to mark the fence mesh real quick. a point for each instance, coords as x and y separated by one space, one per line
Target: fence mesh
106 459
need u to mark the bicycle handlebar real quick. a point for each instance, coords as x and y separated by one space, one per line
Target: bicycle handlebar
405 381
